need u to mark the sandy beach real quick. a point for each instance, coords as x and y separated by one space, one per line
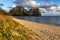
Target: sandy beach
44 30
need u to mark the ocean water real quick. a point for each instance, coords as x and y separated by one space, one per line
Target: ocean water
51 20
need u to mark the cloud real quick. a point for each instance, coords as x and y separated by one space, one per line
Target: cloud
14 6
1 4
52 7
42 9
58 8
27 3
33 4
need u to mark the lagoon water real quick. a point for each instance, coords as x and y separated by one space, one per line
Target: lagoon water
42 19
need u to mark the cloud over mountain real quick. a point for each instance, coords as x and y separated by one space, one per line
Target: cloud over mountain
27 3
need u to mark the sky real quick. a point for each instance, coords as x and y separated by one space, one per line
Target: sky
25 3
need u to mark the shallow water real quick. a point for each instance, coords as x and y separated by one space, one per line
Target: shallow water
45 20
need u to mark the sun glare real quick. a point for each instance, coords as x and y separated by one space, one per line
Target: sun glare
14 6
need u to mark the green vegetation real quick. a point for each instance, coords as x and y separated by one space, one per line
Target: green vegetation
34 12
6 25
2 12
20 11
11 30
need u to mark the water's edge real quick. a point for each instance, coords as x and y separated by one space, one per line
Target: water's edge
44 19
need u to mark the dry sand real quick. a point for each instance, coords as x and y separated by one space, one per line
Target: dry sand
46 32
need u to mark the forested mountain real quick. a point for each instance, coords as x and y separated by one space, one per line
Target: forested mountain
2 12
34 12
20 11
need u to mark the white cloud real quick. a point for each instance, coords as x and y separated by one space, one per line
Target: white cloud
27 3
58 8
33 4
53 7
42 9
14 6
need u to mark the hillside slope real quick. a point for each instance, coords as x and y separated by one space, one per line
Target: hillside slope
17 29
11 30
